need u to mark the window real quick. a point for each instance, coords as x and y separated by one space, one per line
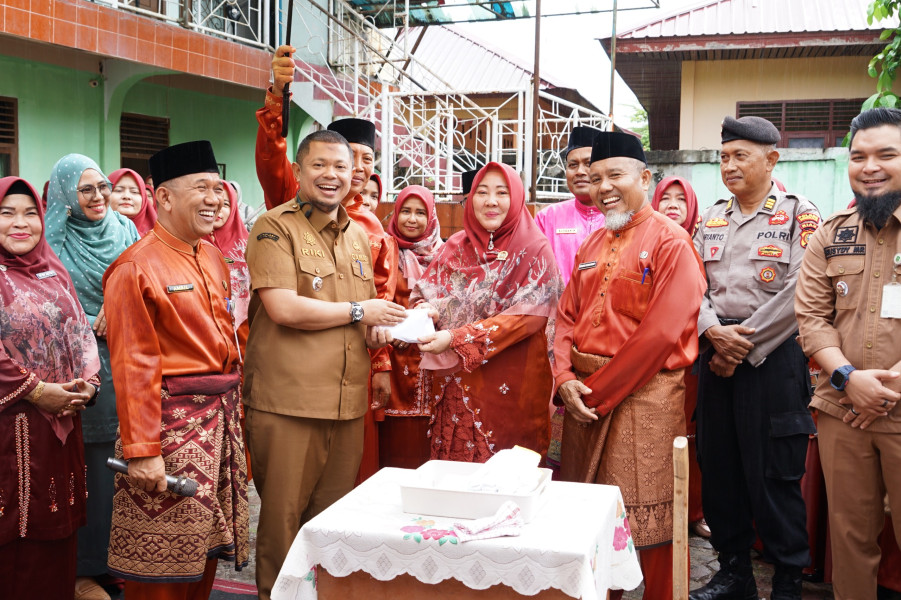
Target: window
9 137
141 137
806 123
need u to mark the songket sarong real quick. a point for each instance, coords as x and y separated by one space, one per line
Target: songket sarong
632 447
165 538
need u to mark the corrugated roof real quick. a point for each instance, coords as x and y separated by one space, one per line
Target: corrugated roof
465 62
742 17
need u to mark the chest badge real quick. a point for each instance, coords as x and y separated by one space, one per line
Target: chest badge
717 222
182 287
780 218
643 254
317 283
502 255
841 288
308 238
767 274
356 246
565 230
770 251
897 260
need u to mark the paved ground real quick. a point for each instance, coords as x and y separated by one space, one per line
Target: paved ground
703 565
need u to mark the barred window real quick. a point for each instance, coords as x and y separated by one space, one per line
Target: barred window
9 137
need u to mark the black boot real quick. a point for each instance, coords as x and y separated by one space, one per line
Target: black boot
786 583
734 580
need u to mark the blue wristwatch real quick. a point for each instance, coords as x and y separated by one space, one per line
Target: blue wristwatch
840 377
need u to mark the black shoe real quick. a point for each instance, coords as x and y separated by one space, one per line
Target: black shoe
734 580
786 583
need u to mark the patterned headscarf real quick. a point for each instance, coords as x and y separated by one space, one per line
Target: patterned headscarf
85 247
231 239
42 326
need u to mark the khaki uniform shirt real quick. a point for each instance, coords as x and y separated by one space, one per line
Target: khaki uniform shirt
315 374
839 301
752 264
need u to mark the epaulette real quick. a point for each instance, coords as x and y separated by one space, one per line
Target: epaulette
840 213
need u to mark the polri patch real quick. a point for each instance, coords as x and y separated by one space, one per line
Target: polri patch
267 236
770 251
588 265
767 274
182 287
780 218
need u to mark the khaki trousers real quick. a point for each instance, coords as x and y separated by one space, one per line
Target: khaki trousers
859 466
300 467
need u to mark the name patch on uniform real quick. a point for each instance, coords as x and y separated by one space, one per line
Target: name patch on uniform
714 237
267 236
46 274
845 235
182 287
831 251
780 218
770 251
716 222
566 230
312 252
588 265
773 235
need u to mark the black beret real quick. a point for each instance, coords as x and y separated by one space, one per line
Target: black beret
609 144
182 159
753 129
466 179
580 137
355 131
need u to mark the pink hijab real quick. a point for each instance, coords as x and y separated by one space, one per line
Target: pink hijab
417 253
146 217
690 224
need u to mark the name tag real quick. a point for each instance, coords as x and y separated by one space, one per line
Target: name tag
184 287
566 230
891 301
46 274
588 265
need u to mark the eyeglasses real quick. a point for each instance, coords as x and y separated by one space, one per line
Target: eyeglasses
89 191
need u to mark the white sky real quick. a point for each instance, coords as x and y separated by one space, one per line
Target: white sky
570 52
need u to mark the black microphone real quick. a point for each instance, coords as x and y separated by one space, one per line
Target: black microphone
181 485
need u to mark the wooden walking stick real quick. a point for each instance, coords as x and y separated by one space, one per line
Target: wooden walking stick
680 518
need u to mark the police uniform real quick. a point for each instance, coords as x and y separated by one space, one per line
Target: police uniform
840 301
306 391
753 427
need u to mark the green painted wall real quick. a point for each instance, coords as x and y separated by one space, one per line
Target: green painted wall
60 113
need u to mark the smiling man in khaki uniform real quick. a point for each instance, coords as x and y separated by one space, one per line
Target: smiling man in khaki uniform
849 313
312 315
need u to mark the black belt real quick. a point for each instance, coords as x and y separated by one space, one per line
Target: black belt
730 321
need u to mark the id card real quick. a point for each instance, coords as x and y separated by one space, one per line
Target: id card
891 301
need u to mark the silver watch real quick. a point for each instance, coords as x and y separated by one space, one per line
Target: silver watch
356 312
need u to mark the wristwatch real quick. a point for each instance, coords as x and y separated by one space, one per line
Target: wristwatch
840 377
356 312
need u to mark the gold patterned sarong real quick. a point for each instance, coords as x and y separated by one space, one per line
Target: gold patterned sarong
165 538
632 447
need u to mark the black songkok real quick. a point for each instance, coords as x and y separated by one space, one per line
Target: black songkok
466 179
609 144
580 137
753 129
182 159
355 131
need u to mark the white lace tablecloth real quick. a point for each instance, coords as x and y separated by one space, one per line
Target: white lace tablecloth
578 542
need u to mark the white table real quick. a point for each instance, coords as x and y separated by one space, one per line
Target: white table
578 543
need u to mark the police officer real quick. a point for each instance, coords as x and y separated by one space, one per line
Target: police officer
753 421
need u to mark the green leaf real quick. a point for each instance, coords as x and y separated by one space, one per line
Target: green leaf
885 34
872 71
847 140
869 102
454 541
889 101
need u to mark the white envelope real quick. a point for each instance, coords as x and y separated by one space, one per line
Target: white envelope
417 324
